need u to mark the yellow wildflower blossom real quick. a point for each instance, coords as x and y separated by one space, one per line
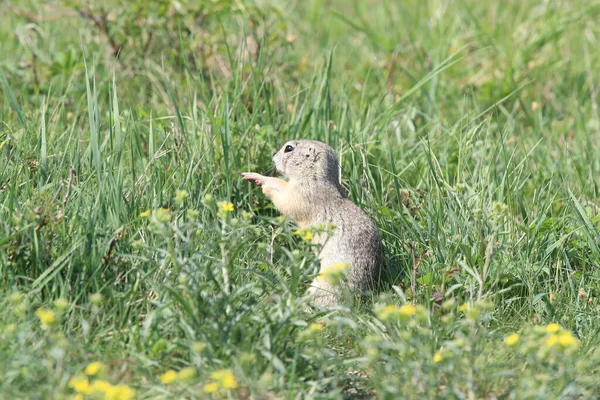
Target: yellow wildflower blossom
93 368
211 387
225 378
385 313
225 206
306 234
168 377
463 307
315 327
145 214
566 339
437 357
408 310
552 328
186 373
551 340
229 382
512 339
218 374
404 312
80 384
120 392
310 332
334 272
46 317
101 386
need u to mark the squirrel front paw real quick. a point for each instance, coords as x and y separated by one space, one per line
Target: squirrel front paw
271 187
258 179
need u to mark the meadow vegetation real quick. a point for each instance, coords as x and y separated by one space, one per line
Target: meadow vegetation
135 263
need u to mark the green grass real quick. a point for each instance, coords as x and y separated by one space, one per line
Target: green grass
470 132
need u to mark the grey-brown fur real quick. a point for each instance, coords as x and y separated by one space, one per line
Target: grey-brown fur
312 196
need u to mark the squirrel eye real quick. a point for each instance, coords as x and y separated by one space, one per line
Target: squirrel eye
288 148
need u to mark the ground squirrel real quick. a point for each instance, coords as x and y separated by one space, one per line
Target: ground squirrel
313 195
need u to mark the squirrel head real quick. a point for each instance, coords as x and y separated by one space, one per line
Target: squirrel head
308 160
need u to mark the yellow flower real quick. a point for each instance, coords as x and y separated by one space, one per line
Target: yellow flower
403 313
408 310
145 214
229 382
110 393
463 307
211 387
437 357
225 378
334 272
120 392
310 332
168 377
551 340
306 234
315 327
511 339
225 206
186 373
385 313
552 328
566 339
80 384
46 317
101 386
93 368
218 374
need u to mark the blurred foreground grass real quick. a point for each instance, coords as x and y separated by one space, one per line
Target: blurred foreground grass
134 263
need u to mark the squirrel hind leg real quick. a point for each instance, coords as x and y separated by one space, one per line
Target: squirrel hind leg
323 294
